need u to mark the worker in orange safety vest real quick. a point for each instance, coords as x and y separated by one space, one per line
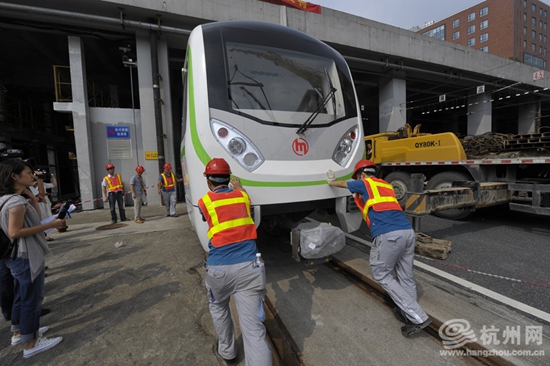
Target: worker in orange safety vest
393 242
231 267
167 189
113 192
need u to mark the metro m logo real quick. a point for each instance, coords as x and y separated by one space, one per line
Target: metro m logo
300 146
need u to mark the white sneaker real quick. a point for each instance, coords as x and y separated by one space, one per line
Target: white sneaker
42 344
15 340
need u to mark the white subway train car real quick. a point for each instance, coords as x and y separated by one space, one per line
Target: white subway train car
280 107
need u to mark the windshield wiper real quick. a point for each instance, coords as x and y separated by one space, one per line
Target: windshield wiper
320 107
254 83
254 98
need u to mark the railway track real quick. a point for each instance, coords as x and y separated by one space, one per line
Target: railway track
287 352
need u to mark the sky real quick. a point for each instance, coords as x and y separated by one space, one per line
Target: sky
400 13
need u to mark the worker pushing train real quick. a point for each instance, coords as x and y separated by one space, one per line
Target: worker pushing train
231 267
392 244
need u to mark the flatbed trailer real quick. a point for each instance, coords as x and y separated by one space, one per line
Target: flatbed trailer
442 160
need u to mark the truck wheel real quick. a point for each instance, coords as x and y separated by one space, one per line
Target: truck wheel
401 183
445 180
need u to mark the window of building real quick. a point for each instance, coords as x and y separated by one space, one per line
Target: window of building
544 26
471 29
534 60
545 13
524 44
524 31
540 11
471 42
533 8
484 37
540 50
484 49
544 51
534 34
540 37
437 32
534 21
524 17
484 24
544 39
456 35
524 3
456 23
471 17
540 24
533 47
484 11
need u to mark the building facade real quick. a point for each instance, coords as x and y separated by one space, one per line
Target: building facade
515 29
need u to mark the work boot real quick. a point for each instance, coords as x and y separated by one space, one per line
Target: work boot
231 362
410 329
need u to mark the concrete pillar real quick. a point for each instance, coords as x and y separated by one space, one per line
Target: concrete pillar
480 110
145 125
89 187
392 101
527 119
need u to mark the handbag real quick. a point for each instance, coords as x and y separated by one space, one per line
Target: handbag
6 244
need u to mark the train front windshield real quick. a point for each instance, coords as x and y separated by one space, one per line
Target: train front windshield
280 78
263 80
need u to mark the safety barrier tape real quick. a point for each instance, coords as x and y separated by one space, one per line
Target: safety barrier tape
101 198
482 273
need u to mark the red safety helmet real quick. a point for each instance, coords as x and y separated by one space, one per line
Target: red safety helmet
217 166
109 166
362 164
140 169
167 167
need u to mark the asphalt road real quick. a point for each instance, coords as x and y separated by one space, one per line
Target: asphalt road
509 252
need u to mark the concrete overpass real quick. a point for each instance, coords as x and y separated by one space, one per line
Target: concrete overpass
400 76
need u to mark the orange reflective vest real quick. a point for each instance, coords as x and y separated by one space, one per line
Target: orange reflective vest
114 184
382 198
228 217
168 182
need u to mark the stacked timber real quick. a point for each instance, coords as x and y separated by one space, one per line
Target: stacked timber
430 247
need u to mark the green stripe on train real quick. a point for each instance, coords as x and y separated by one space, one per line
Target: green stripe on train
199 149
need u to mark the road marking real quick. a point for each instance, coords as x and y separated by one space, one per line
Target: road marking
472 286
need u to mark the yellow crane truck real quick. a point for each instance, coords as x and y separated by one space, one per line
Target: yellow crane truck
515 172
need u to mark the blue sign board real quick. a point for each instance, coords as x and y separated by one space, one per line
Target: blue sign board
118 132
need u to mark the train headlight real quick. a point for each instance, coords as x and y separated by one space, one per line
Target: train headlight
345 146
237 145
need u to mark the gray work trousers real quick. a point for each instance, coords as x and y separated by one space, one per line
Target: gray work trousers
248 286
170 199
395 251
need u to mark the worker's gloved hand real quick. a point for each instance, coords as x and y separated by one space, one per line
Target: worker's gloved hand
330 176
235 183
